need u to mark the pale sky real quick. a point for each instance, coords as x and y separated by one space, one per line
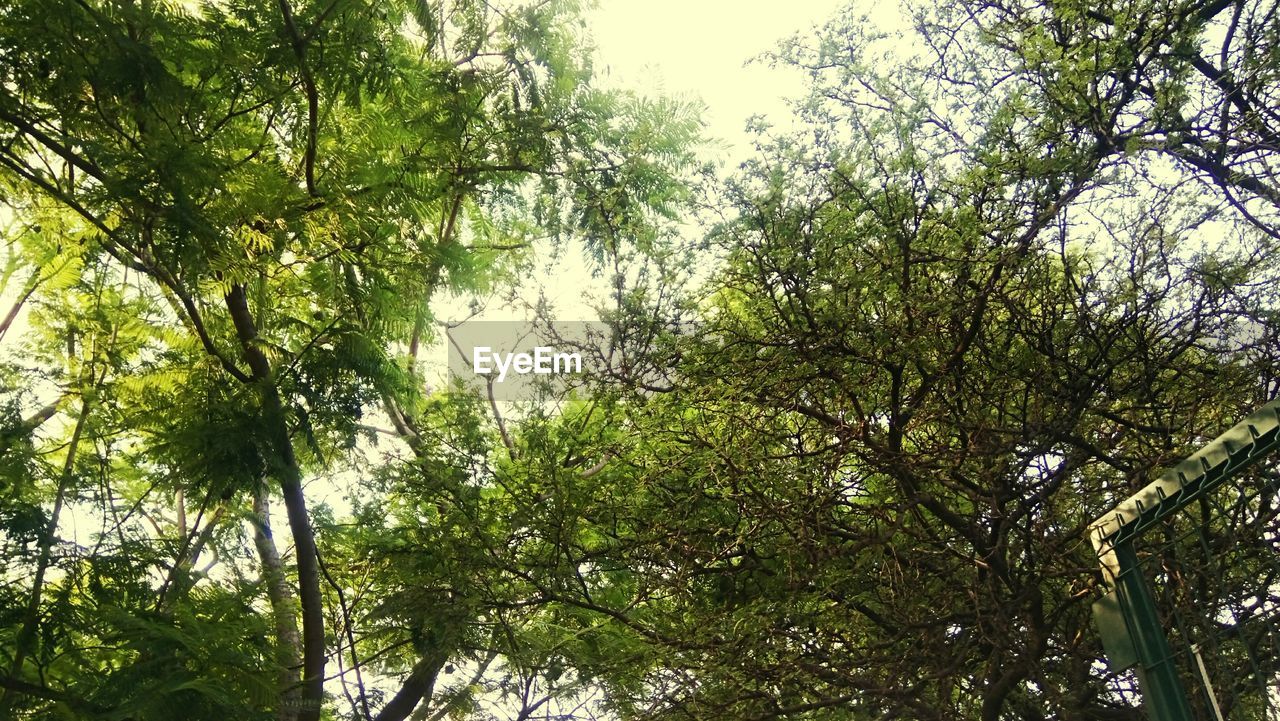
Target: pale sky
687 49
698 48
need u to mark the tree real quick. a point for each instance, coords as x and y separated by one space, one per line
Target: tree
1194 83
956 323
960 312
247 208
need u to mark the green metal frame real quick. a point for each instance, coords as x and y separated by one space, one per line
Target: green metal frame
1127 617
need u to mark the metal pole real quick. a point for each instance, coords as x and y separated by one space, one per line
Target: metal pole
1162 689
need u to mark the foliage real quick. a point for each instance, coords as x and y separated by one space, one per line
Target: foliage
230 221
956 323
987 287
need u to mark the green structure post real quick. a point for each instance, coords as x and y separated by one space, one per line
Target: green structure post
1127 618
1162 689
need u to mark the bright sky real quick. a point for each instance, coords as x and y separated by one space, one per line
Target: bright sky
699 49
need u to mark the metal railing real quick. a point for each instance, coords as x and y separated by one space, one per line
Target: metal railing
1193 565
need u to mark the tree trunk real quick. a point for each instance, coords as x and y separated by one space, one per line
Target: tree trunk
285 468
283 612
419 685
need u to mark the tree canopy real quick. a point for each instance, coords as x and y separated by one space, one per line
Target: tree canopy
1008 264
